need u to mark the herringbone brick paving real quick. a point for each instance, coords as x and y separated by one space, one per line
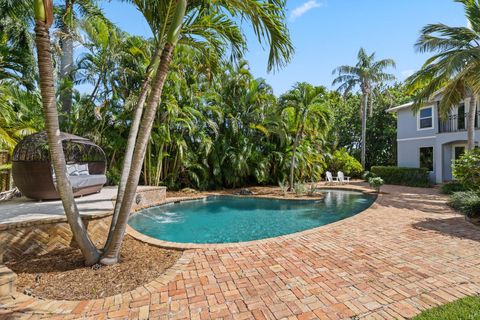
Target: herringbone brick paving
407 253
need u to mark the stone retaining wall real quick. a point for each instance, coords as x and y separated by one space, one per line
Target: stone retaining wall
45 235
42 237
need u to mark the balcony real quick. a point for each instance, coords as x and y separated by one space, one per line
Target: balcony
456 123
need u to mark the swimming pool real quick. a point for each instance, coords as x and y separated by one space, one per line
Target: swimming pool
229 219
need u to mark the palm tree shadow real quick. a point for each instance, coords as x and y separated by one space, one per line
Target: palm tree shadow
456 227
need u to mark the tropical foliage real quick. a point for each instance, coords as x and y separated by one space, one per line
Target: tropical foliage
216 125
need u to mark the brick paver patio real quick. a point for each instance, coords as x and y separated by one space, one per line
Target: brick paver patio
407 253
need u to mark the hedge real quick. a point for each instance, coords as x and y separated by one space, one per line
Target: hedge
467 203
452 187
411 177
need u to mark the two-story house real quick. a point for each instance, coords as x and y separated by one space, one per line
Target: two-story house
426 141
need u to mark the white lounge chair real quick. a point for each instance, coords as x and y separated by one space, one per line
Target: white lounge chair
331 179
341 178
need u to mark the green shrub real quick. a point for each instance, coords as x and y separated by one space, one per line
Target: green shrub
300 189
342 161
283 186
412 177
467 169
467 203
113 176
451 187
376 183
367 175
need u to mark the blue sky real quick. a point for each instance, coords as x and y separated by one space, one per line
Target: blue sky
329 33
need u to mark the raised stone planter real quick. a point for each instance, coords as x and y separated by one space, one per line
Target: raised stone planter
45 235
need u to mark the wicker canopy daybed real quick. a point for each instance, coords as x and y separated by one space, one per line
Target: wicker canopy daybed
33 173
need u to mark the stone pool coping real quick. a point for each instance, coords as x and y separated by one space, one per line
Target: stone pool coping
187 246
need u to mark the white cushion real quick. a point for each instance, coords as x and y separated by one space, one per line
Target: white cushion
71 169
82 169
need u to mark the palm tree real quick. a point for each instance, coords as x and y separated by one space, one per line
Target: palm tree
20 114
366 74
454 69
70 16
211 25
268 18
305 109
43 21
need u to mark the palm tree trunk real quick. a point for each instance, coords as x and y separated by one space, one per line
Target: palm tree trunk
471 122
158 173
47 88
364 128
292 163
66 67
132 137
112 251
370 107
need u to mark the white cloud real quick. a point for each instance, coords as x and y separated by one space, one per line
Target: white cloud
304 8
407 73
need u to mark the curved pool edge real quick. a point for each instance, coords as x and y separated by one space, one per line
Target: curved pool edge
192 246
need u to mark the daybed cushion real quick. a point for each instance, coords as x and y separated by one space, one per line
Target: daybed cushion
79 182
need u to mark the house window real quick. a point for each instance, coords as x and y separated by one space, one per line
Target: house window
461 117
426 158
425 118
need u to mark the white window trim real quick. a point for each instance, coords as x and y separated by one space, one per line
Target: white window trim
433 118
433 157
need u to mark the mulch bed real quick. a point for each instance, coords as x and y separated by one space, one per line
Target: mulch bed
62 275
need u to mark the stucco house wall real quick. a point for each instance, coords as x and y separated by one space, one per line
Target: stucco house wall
410 138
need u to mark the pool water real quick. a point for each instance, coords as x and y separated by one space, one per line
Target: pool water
227 219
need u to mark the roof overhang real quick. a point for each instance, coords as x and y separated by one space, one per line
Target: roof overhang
403 106
434 98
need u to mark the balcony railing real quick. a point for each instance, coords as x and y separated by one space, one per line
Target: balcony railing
456 123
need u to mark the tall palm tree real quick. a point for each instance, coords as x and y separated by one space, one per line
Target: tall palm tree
305 107
454 69
43 21
366 74
70 16
268 19
212 26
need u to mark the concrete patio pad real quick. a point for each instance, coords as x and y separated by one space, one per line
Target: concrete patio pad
24 209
